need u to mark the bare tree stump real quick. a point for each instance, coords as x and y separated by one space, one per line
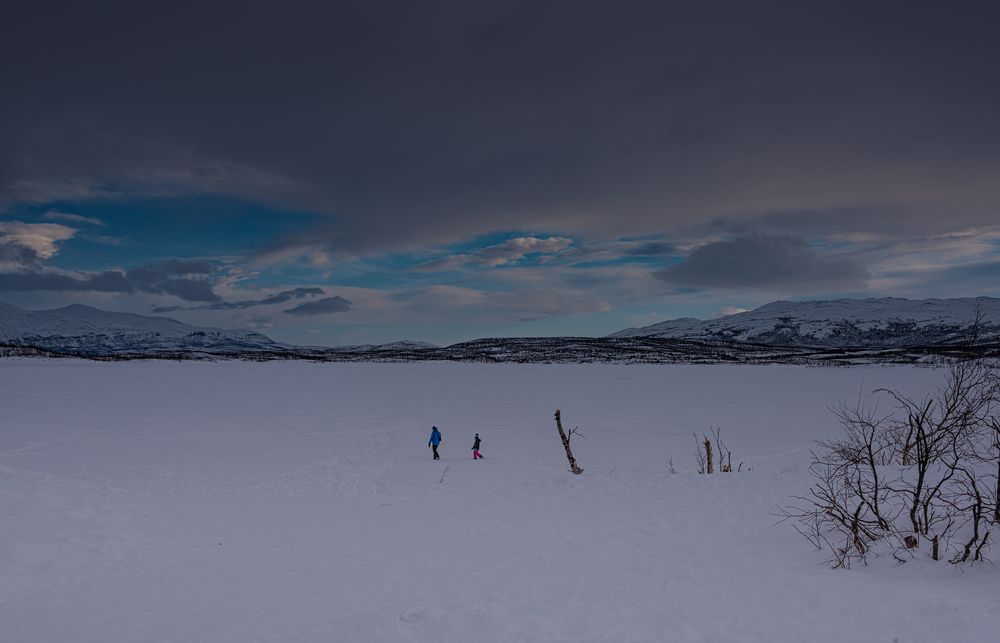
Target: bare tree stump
565 440
708 456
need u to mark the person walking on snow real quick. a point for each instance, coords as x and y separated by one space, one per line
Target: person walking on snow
475 449
435 441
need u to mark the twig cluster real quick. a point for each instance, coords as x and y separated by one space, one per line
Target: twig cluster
705 453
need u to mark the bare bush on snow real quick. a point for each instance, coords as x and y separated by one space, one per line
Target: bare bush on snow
925 474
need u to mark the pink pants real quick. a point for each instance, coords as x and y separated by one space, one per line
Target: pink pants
475 455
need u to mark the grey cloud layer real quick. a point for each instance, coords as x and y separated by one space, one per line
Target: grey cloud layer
424 123
167 278
508 252
548 251
24 247
109 281
326 306
279 298
772 263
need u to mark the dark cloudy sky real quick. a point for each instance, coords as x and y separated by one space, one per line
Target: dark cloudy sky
343 172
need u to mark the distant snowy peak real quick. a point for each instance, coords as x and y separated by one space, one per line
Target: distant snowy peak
83 329
889 322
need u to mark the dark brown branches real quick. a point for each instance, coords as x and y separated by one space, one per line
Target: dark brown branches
928 472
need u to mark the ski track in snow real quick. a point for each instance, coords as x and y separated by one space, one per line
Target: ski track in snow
233 501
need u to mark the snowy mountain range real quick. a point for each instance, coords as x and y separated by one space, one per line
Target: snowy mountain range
783 331
89 331
884 323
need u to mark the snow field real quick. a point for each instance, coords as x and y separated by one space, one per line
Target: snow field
232 501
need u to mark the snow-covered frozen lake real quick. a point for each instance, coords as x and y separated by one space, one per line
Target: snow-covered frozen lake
233 501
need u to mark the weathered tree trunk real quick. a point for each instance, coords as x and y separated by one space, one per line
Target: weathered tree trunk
982 543
708 457
996 505
565 440
996 454
935 549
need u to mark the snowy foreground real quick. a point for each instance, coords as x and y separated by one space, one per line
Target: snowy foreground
156 501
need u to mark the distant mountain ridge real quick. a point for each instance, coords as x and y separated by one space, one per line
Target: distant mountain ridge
842 331
87 331
90 331
884 323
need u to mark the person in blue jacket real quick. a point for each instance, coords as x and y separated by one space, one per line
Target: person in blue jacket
435 441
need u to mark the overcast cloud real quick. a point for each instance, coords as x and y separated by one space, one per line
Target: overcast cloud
518 159
430 122
777 264
325 306
278 298
186 280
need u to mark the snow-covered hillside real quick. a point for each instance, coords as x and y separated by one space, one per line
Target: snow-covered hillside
87 330
887 322
293 501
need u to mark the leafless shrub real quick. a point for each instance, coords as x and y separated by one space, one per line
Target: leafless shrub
927 472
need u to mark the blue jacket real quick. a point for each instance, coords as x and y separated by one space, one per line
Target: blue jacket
435 438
